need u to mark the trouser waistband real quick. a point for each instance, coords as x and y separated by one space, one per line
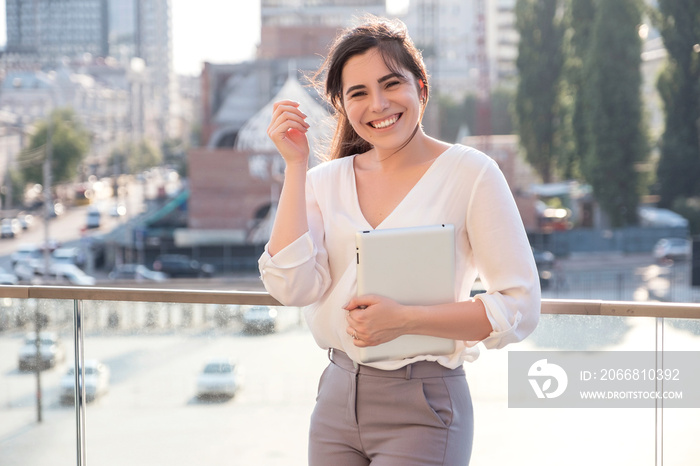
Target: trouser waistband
416 370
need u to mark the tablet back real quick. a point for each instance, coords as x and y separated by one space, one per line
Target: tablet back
411 266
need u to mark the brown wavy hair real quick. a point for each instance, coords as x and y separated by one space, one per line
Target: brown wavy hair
391 39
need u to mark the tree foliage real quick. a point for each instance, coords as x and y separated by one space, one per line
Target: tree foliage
581 18
134 158
678 171
540 61
618 136
455 115
70 143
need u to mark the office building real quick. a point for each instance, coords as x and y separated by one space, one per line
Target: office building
45 34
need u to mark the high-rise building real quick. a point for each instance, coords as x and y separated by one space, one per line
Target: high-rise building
41 34
457 48
300 28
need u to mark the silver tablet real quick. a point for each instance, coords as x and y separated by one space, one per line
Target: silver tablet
413 265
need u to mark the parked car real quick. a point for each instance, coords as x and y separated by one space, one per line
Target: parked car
64 274
51 351
117 210
179 265
219 378
7 278
136 272
10 228
673 249
260 319
96 382
26 220
94 218
26 252
544 260
71 256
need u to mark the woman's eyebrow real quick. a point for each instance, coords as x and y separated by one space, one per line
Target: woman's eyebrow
380 80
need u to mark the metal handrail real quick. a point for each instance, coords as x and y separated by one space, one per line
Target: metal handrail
549 306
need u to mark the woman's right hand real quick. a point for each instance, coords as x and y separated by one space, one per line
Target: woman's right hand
288 132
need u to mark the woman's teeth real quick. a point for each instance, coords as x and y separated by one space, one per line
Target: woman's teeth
384 123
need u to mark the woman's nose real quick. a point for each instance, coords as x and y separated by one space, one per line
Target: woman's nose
379 102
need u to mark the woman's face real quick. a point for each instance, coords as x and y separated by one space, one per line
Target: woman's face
382 106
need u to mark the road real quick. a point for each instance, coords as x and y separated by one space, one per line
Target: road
69 227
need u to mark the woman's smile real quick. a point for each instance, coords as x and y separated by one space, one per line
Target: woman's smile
385 122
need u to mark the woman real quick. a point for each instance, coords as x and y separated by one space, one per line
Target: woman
385 172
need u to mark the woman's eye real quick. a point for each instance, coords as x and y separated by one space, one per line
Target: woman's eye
357 94
393 83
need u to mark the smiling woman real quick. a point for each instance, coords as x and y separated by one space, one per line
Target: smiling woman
385 172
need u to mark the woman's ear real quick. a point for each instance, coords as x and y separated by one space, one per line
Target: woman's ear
423 91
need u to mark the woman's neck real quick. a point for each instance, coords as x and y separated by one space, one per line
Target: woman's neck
421 149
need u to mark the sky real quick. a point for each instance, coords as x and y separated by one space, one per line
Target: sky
217 31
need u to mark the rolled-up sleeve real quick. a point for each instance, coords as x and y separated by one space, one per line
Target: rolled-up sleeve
504 260
298 274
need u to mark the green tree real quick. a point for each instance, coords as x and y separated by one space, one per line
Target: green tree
70 143
539 63
612 87
134 158
456 114
678 171
175 155
581 17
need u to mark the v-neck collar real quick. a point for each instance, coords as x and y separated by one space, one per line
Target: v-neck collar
420 181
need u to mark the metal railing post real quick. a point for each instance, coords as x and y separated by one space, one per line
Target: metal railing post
79 391
659 402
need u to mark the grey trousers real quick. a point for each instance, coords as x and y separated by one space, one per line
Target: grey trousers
418 415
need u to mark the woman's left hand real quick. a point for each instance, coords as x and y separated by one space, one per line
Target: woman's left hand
373 320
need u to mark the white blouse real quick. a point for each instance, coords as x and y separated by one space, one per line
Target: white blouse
463 187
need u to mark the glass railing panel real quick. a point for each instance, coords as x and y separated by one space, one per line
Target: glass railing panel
640 279
156 354
681 423
508 435
33 433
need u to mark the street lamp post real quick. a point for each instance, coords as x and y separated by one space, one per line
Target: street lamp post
48 198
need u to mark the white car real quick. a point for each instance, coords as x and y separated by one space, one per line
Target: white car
673 249
26 252
10 228
94 218
96 382
117 210
219 378
7 278
67 256
64 274
260 319
136 272
51 351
